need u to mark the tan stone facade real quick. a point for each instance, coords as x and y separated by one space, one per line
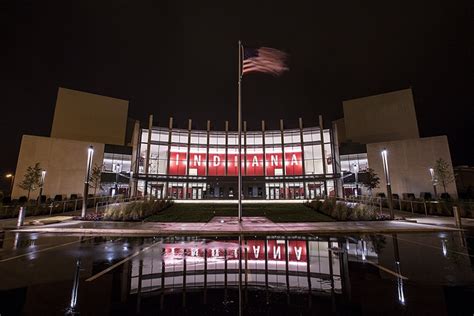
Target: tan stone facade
64 160
409 162
89 117
383 117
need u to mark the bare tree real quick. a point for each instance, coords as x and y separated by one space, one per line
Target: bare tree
94 178
31 179
442 173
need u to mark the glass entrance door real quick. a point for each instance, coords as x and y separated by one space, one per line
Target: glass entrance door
274 193
177 192
197 194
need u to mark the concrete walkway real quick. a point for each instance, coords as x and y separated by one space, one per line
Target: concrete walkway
430 219
227 226
9 223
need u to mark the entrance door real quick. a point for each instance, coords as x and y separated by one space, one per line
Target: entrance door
314 190
197 194
293 193
274 193
157 191
177 192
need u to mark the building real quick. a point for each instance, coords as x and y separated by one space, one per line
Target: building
388 121
80 120
164 161
465 181
203 164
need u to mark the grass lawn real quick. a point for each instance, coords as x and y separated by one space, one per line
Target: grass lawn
278 213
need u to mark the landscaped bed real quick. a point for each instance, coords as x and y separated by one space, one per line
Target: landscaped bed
204 212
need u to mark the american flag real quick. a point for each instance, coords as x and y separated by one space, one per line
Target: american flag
264 59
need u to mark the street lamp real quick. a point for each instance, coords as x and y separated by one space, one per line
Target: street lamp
387 180
434 182
130 185
356 174
342 183
43 175
117 172
12 177
90 154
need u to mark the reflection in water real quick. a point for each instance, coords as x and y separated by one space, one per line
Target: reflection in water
444 246
401 292
276 275
75 289
274 264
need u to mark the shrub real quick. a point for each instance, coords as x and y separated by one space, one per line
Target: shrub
343 211
135 211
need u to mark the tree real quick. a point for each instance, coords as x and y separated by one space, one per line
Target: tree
94 178
370 180
31 179
442 173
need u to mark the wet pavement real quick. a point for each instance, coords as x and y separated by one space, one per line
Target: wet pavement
275 274
224 226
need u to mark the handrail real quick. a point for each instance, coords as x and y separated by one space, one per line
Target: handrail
408 205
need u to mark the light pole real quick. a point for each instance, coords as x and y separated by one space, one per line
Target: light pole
130 185
342 183
12 177
43 175
356 174
90 154
117 172
387 180
433 181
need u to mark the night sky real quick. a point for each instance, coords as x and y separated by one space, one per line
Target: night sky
177 58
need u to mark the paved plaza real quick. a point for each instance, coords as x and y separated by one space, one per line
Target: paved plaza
220 226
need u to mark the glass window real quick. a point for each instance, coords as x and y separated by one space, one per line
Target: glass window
217 138
158 159
254 138
144 135
311 136
291 137
199 138
159 136
327 136
116 163
232 139
272 138
180 137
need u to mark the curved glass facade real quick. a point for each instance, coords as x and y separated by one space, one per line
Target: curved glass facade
200 164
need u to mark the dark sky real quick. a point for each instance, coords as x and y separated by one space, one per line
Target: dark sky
177 58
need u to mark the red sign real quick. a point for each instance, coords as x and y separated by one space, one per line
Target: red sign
178 161
252 164
197 164
233 165
216 165
276 250
293 163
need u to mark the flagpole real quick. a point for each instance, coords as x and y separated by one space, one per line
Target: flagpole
239 129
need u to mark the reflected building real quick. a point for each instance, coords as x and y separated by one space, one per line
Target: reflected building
274 264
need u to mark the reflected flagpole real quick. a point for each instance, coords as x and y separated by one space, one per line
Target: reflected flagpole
239 129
